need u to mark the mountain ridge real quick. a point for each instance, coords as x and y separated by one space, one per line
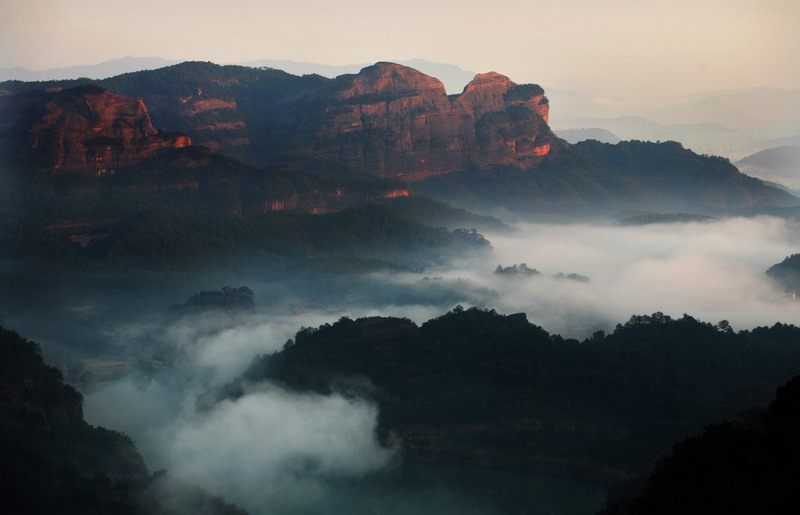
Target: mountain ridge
395 122
454 77
391 120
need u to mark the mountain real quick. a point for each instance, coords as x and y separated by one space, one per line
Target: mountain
89 179
453 77
389 120
703 138
54 462
779 164
593 177
763 113
89 130
732 123
85 128
397 123
191 207
304 67
787 274
475 387
93 71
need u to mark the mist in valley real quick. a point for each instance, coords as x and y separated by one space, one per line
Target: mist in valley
711 270
273 450
163 232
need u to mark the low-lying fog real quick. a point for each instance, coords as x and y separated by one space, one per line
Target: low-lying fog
274 450
712 271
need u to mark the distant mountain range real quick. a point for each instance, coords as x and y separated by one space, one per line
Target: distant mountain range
91 71
578 135
732 124
703 138
780 165
761 113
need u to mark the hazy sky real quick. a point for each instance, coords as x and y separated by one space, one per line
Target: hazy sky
614 47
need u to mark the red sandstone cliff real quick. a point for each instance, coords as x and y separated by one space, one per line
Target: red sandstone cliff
88 128
389 120
394 121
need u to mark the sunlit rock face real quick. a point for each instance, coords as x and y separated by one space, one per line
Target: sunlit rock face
396 122
388 120
86 129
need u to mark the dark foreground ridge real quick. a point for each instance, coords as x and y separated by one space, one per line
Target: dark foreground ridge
54 462
747 467
478 388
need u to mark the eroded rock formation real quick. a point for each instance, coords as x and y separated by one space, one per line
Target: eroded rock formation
86 129
389 120
396 122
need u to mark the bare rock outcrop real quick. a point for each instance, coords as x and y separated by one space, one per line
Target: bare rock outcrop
85 129
396 122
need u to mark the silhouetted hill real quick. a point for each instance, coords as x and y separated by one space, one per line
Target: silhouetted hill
787 273
748 467
54 462
479 388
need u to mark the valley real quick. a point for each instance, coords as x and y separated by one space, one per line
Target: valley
298 292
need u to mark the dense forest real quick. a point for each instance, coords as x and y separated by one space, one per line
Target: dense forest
471 387
479 388
594 177
743 467
194 208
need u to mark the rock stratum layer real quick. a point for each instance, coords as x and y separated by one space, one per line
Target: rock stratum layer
85 129
396 122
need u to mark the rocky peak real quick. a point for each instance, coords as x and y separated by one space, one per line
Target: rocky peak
394 121
388 120
487 83
485 92
385 79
